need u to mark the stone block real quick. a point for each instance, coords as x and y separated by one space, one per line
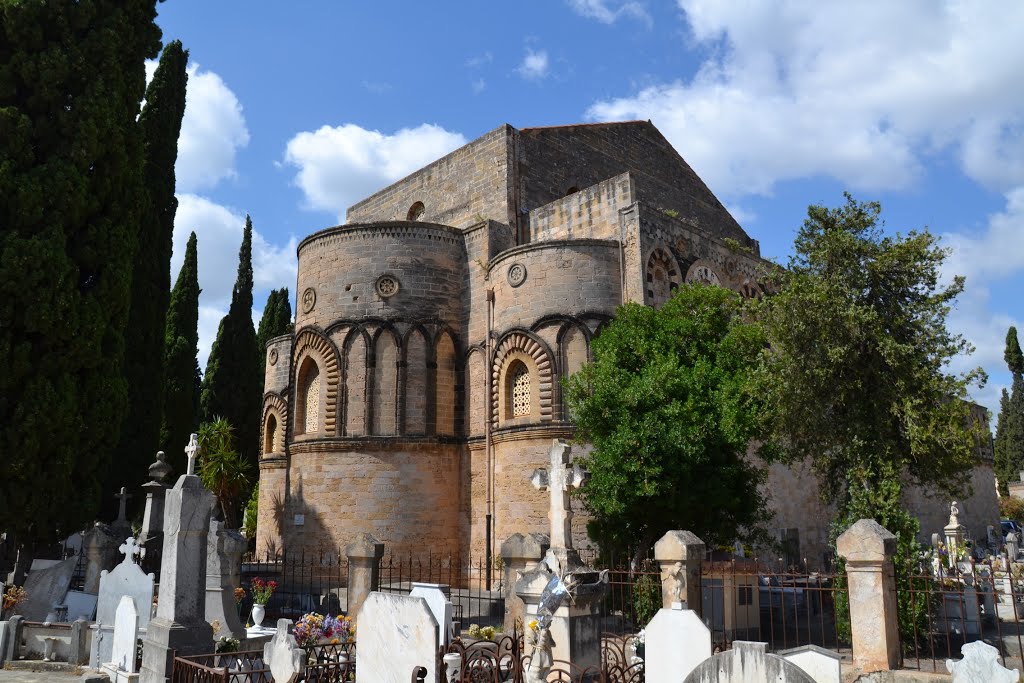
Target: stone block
676 641
396 634
823 666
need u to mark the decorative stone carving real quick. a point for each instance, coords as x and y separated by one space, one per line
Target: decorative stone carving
387 286
980 663
516 274
308 299
272 356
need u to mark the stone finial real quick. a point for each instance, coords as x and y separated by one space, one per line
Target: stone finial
866 541
679 545
525 547
129 548
160 469
365 545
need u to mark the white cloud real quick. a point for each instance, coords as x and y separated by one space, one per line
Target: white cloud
478 86
219 232
480 60
340 165
212 131
534 66
861 92
609 11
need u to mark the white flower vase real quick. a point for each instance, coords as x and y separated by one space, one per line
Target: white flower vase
258 612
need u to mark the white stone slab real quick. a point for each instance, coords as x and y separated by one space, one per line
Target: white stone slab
282 654
3 641
126 632
440 606
980 663
824 666
127 578
396 634
675 642
46 588
746 662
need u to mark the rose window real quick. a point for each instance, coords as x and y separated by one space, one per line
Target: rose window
387 286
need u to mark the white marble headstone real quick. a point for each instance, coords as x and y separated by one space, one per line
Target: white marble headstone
676 641
980 663
127 578
126 632
396 634
820 664
440 606
283 655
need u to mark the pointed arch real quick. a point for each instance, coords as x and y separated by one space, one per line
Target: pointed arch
312 347
384 409
357 346
534 355
273 425
444 385
415 383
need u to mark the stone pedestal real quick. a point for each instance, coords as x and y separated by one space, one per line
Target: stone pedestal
679 555
224 549
101 554
868 550
576 624
153 519
364 555
519 554
180 625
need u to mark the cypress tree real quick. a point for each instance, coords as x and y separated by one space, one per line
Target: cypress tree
1009 445
72 75
276 321
151 279
231 384
181 385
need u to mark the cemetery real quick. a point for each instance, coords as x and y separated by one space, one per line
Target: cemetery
547 615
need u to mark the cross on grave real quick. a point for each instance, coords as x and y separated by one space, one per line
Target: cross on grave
123 495
129 548
190 452
559 480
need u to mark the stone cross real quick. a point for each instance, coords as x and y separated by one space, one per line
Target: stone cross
129 548
559 481
123 496
190 452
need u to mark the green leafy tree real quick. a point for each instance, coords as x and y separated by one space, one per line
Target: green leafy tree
276 321
853 373
151 278
667 406
231 384
222 469
72 75
252 510
1009 443
181 348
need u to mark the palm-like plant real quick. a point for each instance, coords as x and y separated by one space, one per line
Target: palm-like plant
221 468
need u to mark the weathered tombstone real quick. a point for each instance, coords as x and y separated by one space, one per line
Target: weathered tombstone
363 555
980 663
436 595
396 634
823 666
12 648
282 654
180 625
126 629
121 525
747 663
101 544
519 553
676 641
223 574
46 588
126 580
1012 546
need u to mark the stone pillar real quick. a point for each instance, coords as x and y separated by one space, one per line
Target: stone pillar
519 553
101 554
679 555
868 550
180 625
224 548
12 648
78 651
153 518
364 555
955 534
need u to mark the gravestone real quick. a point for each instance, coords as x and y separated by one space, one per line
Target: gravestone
153 518
121 526
980 663
4 634
126 580
436 595
223 574
101 544
675 642
180 625
747 663
126 629
282 654
823 666
396 634
46 588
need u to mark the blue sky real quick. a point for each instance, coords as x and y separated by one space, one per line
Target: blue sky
296 110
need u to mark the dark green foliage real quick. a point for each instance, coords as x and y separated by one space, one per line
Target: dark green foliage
252 509
1009 443
181 348
667 407
222 469
72 76
276 321
231 385
151 279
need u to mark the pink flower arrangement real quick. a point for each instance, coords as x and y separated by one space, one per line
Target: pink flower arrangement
312 628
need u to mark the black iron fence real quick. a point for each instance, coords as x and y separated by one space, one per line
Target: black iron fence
306 582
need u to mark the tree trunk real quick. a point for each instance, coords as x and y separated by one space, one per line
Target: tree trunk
640 554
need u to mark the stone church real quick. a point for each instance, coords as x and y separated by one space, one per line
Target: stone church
422 385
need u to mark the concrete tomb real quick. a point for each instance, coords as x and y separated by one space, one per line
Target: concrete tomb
46 588
126 580
396 634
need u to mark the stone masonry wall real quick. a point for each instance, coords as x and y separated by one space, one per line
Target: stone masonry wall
276 357
977 511
591 213
270 519
459 189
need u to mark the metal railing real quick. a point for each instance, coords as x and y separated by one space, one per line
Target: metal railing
306 582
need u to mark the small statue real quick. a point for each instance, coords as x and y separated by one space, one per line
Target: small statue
954 510
540 657
675 582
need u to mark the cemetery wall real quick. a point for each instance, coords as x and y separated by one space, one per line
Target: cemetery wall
977 511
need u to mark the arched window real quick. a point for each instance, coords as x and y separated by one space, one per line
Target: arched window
415 212
519 399
312 401
270 435
662 277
